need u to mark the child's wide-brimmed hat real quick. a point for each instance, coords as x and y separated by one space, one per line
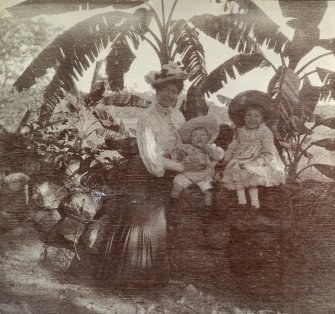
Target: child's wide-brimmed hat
208 123
170 72
238 105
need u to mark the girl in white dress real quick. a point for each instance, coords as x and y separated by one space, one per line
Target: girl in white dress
252 159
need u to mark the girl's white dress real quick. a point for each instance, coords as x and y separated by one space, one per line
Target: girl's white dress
263 165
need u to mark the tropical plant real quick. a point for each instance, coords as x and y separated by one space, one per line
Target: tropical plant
243 27
118 34
290 88
75 139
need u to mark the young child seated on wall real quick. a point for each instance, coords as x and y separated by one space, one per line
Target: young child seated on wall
199 155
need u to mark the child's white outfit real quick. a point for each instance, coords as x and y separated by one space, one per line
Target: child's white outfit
203 178
262 164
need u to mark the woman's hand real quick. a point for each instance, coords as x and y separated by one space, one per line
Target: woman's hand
173 165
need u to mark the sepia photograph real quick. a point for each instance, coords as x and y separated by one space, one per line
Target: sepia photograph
167 156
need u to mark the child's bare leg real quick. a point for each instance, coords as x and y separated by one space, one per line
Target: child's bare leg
209 197
253 192
180 182
176 191
241 196
206 187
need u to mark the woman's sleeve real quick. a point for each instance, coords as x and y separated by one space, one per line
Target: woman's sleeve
150 152
268 151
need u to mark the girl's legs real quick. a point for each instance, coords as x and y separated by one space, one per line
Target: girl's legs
241 196
253 192
209 197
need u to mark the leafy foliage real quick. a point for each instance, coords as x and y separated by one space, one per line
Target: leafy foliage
125 98
245 28
242 63
265 31
195 104
31 8
328 171
225 29
189 47
294 97
327 143
329 122
328 79
70 54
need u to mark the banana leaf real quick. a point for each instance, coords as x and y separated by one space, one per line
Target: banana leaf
327 170
327 143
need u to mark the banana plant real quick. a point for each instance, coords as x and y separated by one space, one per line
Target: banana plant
119 34
290 88
243 27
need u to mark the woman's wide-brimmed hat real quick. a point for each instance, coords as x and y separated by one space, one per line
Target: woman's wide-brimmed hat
239 104
170 72
210 124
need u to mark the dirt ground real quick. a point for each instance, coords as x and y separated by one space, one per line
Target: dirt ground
204 276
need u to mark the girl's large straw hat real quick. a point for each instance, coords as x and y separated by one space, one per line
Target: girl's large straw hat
210 124
170 72
239 104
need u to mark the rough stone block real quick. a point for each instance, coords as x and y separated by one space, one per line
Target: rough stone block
48 195
46 220
71 229
58 258
23 243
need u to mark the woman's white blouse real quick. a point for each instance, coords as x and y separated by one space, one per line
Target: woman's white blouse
157 137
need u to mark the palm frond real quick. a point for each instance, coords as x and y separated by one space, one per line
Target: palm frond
195 104
187 44
126 99
23 121
73 50
32 8
265 31
243 63
304 16
119 61
305 20
224 99
71 54
326 170
328 79
285 85
309 96
121 56
328 44
230 29
106 120
111 135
